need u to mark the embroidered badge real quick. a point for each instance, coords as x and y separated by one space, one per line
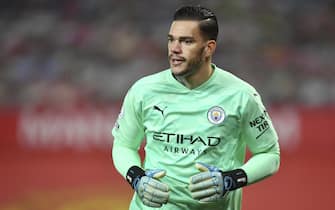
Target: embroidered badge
216 115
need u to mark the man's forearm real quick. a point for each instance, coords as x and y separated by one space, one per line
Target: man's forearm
124 158
261 166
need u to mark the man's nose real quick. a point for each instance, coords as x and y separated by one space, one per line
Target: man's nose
175 47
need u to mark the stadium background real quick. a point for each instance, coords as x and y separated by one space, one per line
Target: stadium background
65 66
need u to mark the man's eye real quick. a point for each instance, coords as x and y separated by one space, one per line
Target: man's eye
188 41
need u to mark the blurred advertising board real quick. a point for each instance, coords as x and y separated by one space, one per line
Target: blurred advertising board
299 128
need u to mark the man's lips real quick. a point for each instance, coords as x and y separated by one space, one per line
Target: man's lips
176 60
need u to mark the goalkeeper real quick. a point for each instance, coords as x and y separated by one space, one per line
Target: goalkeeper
198 120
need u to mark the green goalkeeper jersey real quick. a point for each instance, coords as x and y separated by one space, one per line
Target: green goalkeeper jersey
213 124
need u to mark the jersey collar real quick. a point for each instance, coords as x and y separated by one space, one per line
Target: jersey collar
200 87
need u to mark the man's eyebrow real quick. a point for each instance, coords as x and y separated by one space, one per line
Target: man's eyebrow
181 37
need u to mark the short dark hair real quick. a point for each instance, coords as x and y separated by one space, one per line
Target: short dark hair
208 24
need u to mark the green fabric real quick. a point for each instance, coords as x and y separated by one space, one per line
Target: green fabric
213 124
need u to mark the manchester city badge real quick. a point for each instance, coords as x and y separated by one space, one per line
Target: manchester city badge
216 115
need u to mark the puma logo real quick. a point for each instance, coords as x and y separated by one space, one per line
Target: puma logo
159 109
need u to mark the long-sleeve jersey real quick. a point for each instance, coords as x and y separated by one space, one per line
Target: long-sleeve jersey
213 123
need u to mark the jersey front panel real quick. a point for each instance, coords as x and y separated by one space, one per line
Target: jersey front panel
191 127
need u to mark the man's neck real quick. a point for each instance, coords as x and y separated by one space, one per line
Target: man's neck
195 80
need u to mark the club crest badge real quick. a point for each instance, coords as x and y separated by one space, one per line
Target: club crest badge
216 115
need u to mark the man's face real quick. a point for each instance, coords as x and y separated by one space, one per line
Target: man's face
185 47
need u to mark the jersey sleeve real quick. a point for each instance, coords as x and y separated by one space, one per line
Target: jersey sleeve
257 128
128 133
261 138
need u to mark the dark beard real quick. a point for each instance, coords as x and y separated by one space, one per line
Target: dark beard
194 65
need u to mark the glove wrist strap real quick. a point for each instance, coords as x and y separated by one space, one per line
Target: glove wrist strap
234 179
134 174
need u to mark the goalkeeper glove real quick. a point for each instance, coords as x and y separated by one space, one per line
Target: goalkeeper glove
212 184
152 192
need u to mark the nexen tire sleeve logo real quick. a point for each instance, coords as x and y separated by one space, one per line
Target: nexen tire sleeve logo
260 123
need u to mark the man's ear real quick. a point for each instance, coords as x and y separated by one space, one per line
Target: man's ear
210 48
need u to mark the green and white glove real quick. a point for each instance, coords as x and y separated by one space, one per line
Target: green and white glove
152 192
212 184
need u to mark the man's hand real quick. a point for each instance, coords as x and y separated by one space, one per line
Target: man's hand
152 192
212 184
